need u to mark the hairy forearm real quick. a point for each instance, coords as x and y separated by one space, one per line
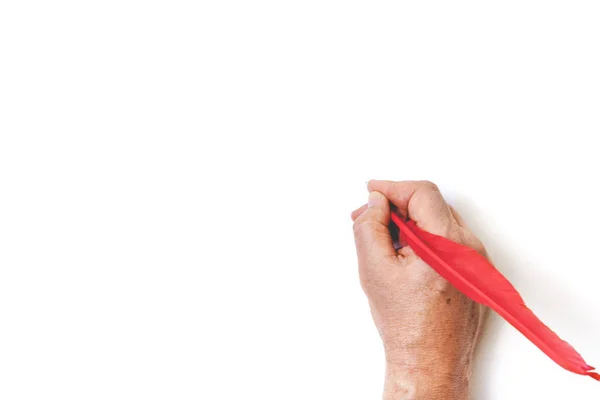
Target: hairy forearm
405 384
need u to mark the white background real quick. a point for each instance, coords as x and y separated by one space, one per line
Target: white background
176 180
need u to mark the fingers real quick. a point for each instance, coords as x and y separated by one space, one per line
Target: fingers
371 232
421 201
358 212
399 193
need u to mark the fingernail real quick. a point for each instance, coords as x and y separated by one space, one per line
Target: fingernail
376 198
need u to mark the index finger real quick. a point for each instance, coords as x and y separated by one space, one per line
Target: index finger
421 201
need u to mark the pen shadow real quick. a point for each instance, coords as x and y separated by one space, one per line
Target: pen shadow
558 304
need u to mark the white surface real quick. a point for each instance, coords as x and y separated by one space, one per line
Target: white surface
176 180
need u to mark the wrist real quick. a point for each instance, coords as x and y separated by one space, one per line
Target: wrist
406 383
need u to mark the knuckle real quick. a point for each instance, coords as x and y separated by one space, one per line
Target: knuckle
430 185
356 226
360 226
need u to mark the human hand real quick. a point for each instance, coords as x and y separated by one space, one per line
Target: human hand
429 329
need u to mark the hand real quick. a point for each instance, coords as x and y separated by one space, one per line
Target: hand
429 329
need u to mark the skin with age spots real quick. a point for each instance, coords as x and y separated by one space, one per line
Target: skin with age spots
429 329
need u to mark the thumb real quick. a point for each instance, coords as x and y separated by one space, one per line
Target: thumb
371 232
